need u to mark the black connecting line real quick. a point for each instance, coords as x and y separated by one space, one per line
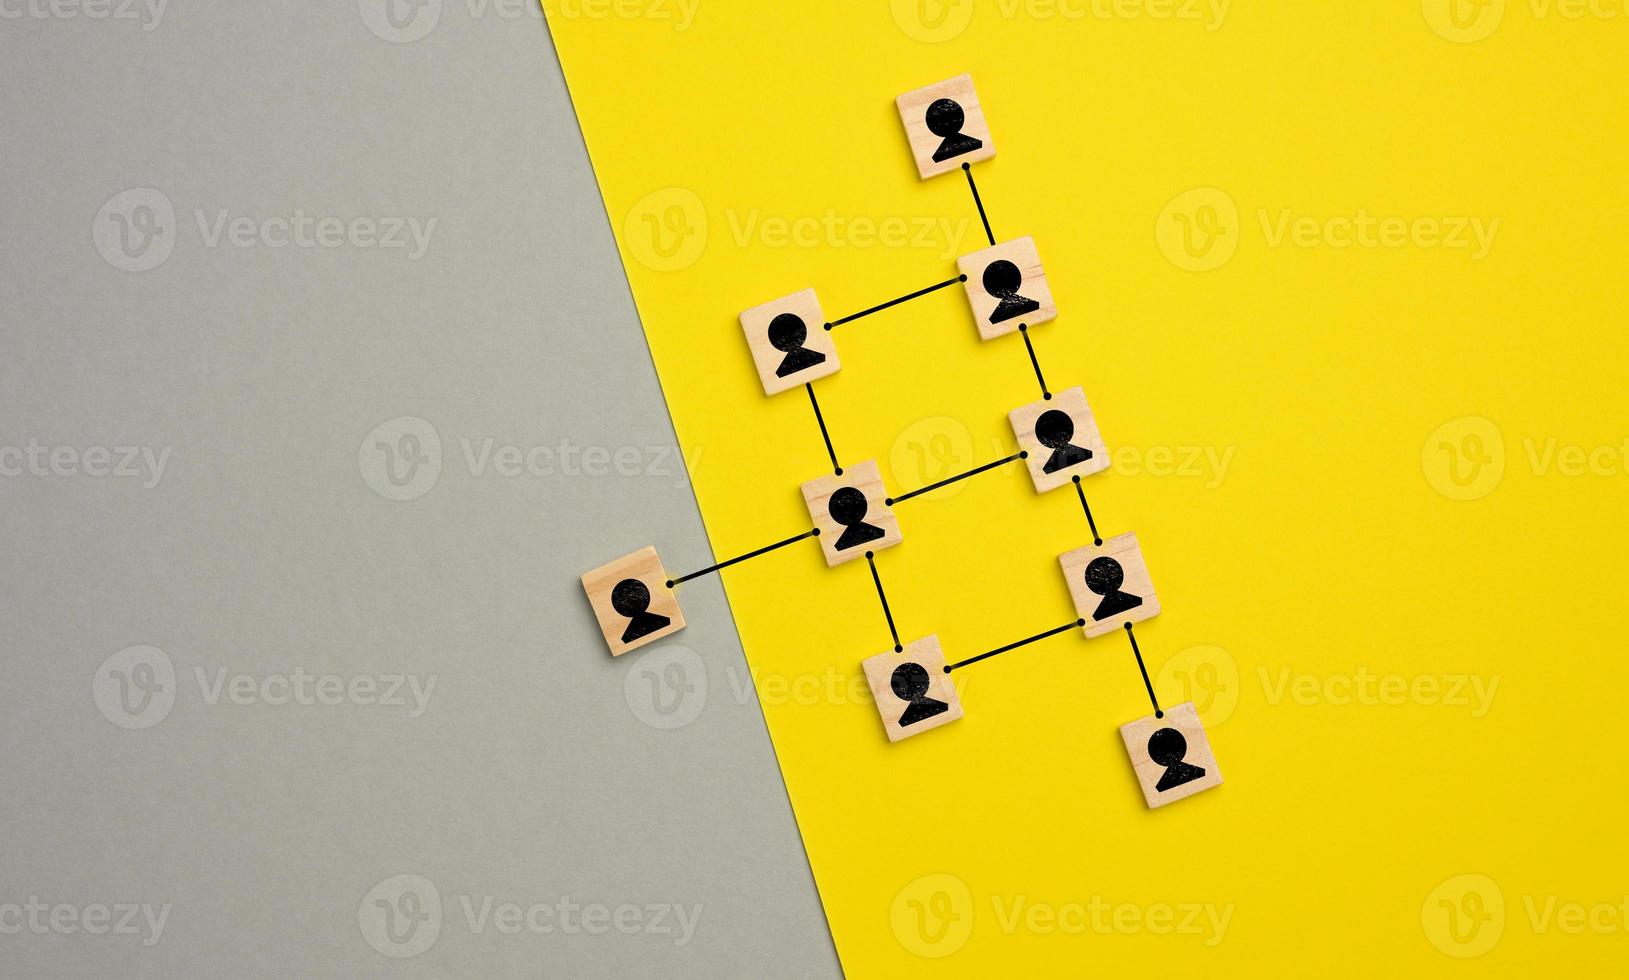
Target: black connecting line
895 302
968 170
1077 624
1146 683
1097 539
1046 393
891 501
836 467
870 559
751 554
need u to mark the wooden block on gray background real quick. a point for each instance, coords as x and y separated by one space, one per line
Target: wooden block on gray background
632 601
1171 756
1117 591
1066 446
945 126
789 341
863 522
1006 287
913 691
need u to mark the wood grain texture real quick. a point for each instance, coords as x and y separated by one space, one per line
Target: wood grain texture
867 479
1031 288
815 355
1195 752
926 714
1135 584
1085 436
913 112
645 567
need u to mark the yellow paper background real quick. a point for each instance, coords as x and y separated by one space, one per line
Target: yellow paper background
743 148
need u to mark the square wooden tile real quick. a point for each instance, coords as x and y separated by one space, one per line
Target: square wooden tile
1171 756
1110 584
1006 287
913 690
789 341
945 126
632 601
1061 438
851 513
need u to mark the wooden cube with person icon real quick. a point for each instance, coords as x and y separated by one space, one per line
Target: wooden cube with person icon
852 512
945 126
1007 288
912 689
1110 585
1060 434
789 342
1171 755
632 601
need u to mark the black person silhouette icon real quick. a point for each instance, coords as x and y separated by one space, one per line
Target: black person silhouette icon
847 507
1167 747
632 599
1001 280
787 333
1103 576
910 683
945 120
1053 430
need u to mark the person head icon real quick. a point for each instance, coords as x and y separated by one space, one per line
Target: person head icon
1166 747
910 683
1053 430
631 598
1002 280
848 507
1104 576
945 119
787 332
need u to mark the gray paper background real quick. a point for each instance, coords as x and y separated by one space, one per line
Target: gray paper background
267 366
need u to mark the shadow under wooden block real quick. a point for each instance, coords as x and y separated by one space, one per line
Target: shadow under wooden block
1006 287
852 513
632 601
1110 584
1171 755
913 691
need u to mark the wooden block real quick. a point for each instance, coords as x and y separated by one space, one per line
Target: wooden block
851 512
632 601
1110 584
789 341
1006 287
912 689
1171 756
1061 438
945 125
